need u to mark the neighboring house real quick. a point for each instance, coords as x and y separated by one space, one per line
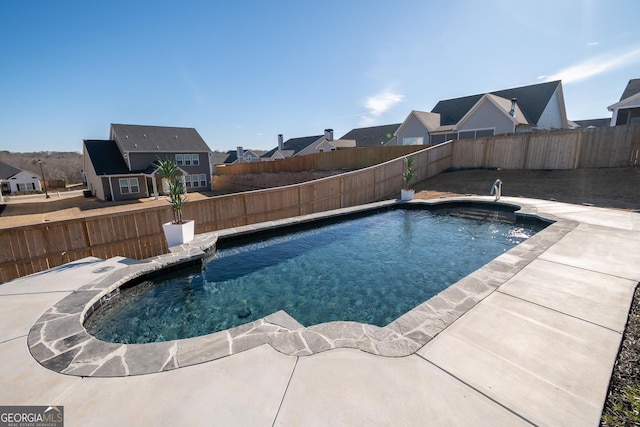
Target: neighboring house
627 110
123 167
14 180
243 156
374 136
515 110
306 145
592 123
335 144
417 128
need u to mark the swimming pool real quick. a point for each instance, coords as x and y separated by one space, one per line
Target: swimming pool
370 270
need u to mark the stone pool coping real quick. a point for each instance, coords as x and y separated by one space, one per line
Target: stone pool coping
59 341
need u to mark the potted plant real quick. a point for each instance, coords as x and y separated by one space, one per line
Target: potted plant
178 231
409 173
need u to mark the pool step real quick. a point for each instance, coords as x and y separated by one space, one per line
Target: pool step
482 215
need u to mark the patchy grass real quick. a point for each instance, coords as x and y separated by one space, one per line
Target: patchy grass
622 407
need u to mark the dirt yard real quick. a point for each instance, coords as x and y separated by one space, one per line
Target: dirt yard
617 188
22 211
611 188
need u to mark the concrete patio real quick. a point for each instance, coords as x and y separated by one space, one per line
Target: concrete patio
537 350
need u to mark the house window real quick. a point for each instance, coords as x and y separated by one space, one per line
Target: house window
187 181
417 140
187 159
438 139
195 159
203 180
485 132
179 160
467 134
28 186
443 137
129 185
478 133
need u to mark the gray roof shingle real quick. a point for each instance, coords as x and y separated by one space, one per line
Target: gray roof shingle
294 145
373 136
105 157
598 123
157 138
7 171
531 99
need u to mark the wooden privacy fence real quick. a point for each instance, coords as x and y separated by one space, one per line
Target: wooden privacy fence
138 234
348 159
617 146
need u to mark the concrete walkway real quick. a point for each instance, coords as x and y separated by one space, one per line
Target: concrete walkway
537 351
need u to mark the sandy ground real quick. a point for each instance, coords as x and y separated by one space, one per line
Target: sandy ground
25 211
612 188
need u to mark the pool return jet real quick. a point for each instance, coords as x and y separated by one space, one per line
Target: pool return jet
496 189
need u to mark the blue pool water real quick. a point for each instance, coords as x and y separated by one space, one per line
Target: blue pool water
371 270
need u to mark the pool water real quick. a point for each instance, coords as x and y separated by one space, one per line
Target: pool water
371 270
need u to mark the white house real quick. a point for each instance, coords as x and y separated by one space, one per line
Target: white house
627 110
515 110
14 180
306 145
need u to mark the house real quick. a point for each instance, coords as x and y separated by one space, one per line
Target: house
306 145
373 136
122 167
14 180
592 123
627 110
515 110
241 155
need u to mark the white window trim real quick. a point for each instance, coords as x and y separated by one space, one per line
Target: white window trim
129 186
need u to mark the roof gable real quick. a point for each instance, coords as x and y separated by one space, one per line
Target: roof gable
494 100
430 121
532 101
105 157
137 138
633 87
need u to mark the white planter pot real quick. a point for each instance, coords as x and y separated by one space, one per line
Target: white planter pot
178 234
407 194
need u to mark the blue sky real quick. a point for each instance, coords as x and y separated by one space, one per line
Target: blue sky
242 72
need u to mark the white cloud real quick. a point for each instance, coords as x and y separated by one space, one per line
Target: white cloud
595 66
593 43
379 104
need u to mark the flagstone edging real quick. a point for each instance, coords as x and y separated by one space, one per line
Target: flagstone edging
59 341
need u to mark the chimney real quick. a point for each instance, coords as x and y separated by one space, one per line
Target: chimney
240 153
512 113
328 134
280 142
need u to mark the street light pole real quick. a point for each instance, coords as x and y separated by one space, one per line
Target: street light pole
44 180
